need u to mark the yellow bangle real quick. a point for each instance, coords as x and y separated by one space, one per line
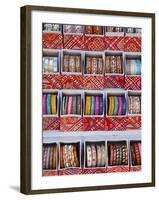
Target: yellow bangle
88 105
112 105
53 104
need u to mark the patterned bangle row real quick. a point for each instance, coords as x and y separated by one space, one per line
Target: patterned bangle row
94 65
118 153
50 64
135 148
49 156
49 102
134 104
133 66
95 155
116 105
113 64
71 104
72 63
69 156
94 105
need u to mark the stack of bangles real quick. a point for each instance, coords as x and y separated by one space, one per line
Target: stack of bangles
49 156
118 154
94 105
94 65
113 64
134 104
95 155
69 156
49 103
135 153
116 105
133 66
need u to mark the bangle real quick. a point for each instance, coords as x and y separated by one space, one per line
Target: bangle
124 106
78 63
94 65
65 63
94 155
69 106
51 158
44 156
89 156
99 156
54 156
114 154
107 64
120 108
103 161
44 103
61 157
92 105
96 105
76 156
47 157
115 105
111 154
78 104
101 105
54 103
74 111
88 65
88 104
100 66
72 64
48 103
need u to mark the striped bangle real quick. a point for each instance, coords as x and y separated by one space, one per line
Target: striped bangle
89 156
107 64
100 66
94 155
96 105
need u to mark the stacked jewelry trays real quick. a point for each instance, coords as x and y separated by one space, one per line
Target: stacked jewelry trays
91 99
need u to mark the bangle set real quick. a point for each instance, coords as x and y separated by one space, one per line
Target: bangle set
133 66
134 104
94 105
72 63
50 64
94 65
49 103
135 148
118 153
95 155
71 104
69 156
49 156
113 64
116 105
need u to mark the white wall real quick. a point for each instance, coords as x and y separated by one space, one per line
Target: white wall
10 86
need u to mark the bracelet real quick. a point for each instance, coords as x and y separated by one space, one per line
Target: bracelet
74 105
75 156
96 105
120 108
47 157
99 156
118 64
44 156
103 161
54 156
115 105
94 65
53 104
107 64
89 156
124 106
69 106
88 104
78 63
92 105
50 158
114 154
88 29
61 157
48 103
88 65
94 155
44 103
100 66
65 63
78 105
72 63
111 154
101 105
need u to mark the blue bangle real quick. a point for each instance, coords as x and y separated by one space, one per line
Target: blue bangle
115 105
124 106
101 105
48 104
138 67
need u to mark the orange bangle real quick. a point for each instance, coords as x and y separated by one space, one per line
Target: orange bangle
61 157
54 156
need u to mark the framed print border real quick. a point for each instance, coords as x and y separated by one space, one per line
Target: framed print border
26 107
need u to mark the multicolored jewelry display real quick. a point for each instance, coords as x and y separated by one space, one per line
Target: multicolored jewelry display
49 156
95 155
133 66
134 104
94 65
93 105
135 148
116 105
71 104
72 63
69 156
49 102
118 153
113 64
50 64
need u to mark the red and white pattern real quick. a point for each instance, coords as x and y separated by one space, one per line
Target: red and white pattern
72 81
115 123
94 43
114 81
51 123
135 168
93 123
50 173
71 124
118 169
93 82
132 44
133 82
114 43
73 42
52 41
134 122
51 81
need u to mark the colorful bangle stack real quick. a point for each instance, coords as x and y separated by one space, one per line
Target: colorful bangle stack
95 155
113 64
72 63
50 64
51 27
96 30
69 28
135 148
134 104
49 102
133 66
69 156
71 104
116 105
93 105
118 153
49 156
94 65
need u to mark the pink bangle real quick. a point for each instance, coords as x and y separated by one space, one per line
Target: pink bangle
96 105
44 103
69 106
120 104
